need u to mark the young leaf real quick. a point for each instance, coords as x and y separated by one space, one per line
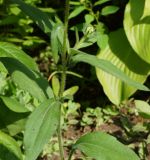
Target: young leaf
10 50
100 146
76 11
55 42
41 19
89 18
109 10
55 85
9 149
99 2
71 91
143 108
106 66
137 28
27 80
125 59
41 125
14 105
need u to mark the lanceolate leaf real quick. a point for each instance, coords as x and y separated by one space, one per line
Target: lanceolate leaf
102 146
10 50
9 149
41 125
76 11
41 19
55 42
120 53
106 66
28 80
137 27
109 10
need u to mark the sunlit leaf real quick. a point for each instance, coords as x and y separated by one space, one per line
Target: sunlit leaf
109 10
71 91
76 11
106 66
99 2
137 27
55 85
143 108
125 59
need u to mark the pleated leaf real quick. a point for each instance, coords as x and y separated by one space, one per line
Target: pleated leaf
9 149
41 125
106 66
10 50
120 53
137 27
101 146
27 80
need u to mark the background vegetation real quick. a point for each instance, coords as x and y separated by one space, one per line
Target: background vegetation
99 101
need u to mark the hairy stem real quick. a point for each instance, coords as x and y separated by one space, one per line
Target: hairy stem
63 76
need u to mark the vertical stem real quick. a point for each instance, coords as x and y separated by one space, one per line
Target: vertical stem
63 75
70 155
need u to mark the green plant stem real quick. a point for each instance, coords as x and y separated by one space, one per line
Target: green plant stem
70 155
63 76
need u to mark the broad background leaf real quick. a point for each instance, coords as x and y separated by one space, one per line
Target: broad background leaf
9 149
40 126
106 66
137 27
120 53
102 146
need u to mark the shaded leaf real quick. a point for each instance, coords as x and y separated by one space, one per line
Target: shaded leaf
106 66
41 19
55 42
13 121
28 80
14 105
102 146
40 126
9 149
10 50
